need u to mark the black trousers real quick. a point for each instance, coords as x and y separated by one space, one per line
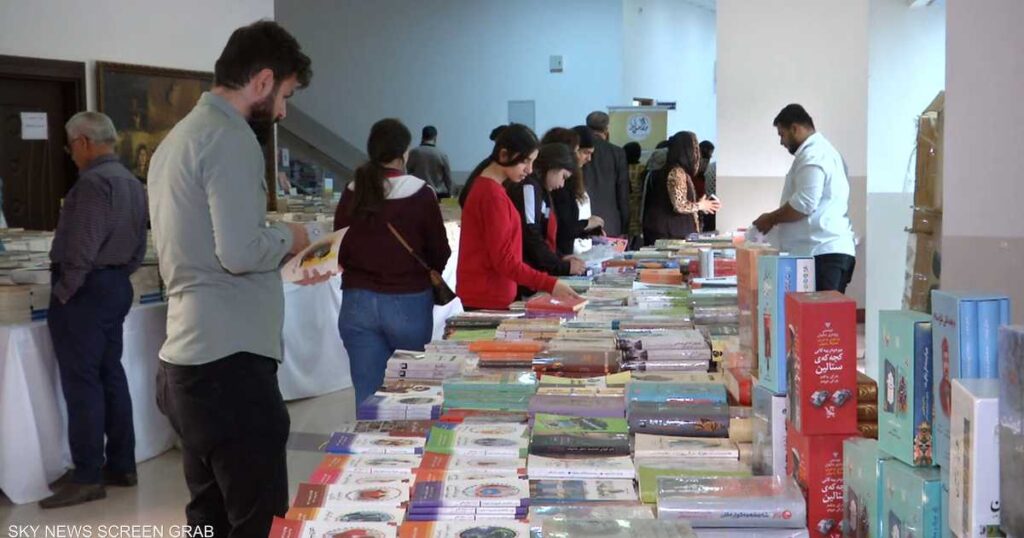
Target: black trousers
233 426
88 341
833 271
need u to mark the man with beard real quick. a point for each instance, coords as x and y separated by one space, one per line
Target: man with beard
217 381
813 218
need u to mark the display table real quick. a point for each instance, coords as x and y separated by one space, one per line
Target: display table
33 420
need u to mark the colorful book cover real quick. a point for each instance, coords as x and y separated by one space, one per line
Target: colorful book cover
684 447
373 443
348 514
679 420
496 440
1011 436
905 410
990 318
586 443
374 495
777 276
816 462
455 463
546 303
496 492
974 475
955 345
649 470
286 528
822 369
579 491
319 258
911 501
465 529
684 393
862 489
541 467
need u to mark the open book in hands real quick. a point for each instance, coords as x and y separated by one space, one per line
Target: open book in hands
317 263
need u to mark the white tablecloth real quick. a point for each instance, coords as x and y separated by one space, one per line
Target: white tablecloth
33 422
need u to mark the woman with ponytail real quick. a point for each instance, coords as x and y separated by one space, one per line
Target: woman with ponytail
491 245
388 301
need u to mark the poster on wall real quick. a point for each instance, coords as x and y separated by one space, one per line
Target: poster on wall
145 103
646 125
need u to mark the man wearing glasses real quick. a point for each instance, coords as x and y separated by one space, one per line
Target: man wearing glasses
100 241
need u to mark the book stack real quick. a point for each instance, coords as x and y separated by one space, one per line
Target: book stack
545 306
867 406
672 277
339 469
402 400
679 419
427 365
676 393
760 502
572 405
670 447
542 329
15 304
497 390
821 381
666 350
547 492
964 346
649 470
470 467
394 428
460 499
505 353
586 511
564 435
498 440
469 326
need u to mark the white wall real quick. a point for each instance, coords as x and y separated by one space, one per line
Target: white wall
906 69
183 34
456 64
983 230
670 56
775 52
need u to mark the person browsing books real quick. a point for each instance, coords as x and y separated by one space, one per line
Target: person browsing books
388 300
672 205
554 164
569 200
813 217
491 245
217 381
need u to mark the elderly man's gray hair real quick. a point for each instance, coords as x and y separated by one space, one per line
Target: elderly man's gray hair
598 121
96 126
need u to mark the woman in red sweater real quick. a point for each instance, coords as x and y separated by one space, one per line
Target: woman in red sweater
491 244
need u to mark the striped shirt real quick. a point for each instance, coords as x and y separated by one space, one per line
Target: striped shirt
102 224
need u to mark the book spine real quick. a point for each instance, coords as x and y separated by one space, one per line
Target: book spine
922 395
988 335
969 364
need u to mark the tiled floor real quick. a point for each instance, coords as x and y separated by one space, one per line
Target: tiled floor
160 497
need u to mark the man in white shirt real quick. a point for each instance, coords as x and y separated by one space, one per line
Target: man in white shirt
813 217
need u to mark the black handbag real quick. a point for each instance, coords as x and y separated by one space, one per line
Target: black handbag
442 293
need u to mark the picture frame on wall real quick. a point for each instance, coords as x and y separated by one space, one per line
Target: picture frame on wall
145 103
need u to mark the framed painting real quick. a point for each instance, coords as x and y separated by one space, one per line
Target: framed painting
145 103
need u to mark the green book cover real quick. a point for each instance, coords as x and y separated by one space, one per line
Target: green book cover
441 440
648 472
546 424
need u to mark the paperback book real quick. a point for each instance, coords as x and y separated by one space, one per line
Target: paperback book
752 502
663 446
580 491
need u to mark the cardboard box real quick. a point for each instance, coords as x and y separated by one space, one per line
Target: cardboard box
974 458
956 347
905 371
911 501
862 488
769 423
822 367
777 276
816 462
1011 428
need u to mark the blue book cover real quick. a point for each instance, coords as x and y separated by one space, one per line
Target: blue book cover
990 317
969 367
955 342
676 393
905 395
777 276
862 488
911 501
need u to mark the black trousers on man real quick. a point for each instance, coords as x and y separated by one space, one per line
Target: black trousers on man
833 271
233 426
87 335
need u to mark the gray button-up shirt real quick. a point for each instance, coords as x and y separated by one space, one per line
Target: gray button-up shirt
218 256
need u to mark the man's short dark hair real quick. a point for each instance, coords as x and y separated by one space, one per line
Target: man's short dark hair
586 136
261 45
706 145
598 121
633 152
429 132
793 115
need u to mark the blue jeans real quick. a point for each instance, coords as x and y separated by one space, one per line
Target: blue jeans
373 325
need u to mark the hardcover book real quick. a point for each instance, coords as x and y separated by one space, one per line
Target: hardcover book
777 276
974 474
753 502
816 462
905 406
911 500
862 489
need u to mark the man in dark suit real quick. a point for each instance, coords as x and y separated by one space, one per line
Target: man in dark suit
607 178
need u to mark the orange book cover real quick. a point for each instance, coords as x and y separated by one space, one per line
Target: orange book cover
547 303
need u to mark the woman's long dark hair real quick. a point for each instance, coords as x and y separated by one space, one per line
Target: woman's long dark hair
519 143
553 157
389 140
571 138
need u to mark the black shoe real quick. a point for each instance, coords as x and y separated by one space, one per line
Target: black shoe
124 480
65 478
72 494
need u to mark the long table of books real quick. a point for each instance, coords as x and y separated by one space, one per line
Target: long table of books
633 413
